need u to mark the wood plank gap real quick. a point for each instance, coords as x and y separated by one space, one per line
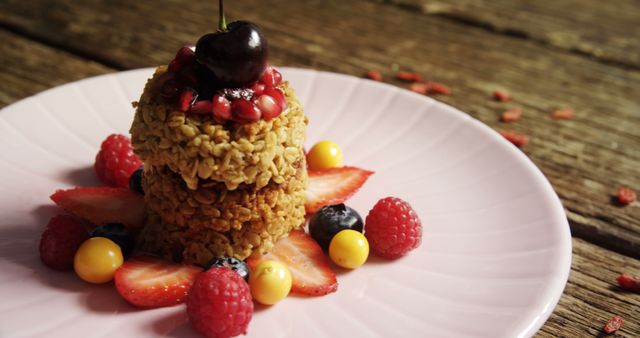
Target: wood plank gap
514 33
78 52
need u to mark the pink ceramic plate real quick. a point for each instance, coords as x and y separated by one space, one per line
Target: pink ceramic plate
494 261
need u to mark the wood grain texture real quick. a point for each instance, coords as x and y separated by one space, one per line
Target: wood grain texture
586 158
592 295
30 67
604 30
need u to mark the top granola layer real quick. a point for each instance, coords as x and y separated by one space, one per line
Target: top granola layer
197 147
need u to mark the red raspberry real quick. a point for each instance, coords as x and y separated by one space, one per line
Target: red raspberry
60 240
219 303
393 228
116 161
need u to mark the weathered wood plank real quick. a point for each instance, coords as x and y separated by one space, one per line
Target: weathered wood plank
29 67
607 31
592 296
586 158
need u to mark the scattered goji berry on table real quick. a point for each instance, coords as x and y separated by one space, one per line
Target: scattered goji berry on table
419 87
501 95
408 76
626 196
511 115
518 139
613 325
562 114
438 88
628 282
374 75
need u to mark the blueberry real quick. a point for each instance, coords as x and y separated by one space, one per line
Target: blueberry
135 181
232 263
331 219
119 234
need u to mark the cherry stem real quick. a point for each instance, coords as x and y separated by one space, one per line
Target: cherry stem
222 23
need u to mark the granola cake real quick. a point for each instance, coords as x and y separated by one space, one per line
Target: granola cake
217 185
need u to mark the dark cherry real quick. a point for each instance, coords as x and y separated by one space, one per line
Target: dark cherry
236 56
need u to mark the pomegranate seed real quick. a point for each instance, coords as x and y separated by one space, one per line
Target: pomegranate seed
613 325
202 107
221 108
269 107
419 87
408 76
438 88
187 98
628 282
563 114
184 56
170 88
626 196
511 115
257 88
271 77
373 75
519 140
501 95
245 111
277 95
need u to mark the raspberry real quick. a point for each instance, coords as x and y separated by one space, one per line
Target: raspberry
219 303
116 161
60 240
393 228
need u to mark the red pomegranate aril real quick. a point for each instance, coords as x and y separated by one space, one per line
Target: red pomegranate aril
185 55
277 95
187 98
245 111
257 88
269 107
221 108
170 88
202 107
271 77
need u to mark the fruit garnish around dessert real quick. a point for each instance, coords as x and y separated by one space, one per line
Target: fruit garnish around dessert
393 228
150 282
103 205
333 186
304 258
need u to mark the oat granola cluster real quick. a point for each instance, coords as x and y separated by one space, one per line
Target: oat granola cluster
218 189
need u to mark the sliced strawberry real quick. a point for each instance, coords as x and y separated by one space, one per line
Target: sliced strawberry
102 205
150 282
333 186
307 263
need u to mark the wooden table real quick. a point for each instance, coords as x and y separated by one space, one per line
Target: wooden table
583 54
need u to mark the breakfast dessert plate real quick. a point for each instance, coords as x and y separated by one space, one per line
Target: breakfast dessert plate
494 260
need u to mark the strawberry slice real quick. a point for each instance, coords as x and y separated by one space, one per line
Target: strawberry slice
102 205
150 282
333 186
307 263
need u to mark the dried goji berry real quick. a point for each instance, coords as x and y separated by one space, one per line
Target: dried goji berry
613 325
374 75
419 87
501 95
562 114
511 115
628 282
626 196
408 76
518 139
438 88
